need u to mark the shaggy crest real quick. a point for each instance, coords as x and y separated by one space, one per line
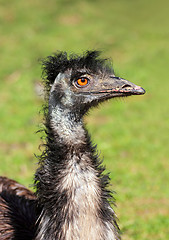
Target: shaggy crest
60 61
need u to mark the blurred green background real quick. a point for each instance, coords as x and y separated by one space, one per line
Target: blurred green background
132 134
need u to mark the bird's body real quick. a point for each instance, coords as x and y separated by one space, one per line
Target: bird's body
72 200
17 211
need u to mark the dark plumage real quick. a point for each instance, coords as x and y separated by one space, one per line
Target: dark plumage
61 61
18 213
72 200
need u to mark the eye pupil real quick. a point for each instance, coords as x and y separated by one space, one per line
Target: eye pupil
82 82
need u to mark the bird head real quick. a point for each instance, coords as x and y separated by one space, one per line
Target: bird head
80 82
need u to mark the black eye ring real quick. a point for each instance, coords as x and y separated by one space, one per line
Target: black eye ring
82 82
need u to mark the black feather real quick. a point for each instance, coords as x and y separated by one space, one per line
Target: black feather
59 62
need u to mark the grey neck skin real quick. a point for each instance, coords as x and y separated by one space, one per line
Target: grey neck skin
78 180
69 131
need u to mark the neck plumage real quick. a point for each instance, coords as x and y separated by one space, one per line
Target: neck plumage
71 188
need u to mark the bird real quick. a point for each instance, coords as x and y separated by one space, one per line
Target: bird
72 199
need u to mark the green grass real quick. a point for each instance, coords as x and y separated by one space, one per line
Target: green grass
132 134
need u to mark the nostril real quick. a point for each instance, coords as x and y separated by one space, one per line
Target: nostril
126 86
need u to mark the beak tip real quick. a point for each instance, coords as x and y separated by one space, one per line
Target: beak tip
139 90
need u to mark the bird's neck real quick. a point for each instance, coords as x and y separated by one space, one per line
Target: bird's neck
70 185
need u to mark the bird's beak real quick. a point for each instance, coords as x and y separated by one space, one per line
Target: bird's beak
116 87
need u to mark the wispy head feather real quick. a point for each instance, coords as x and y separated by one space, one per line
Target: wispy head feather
59 62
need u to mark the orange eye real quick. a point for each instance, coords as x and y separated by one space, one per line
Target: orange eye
82 82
